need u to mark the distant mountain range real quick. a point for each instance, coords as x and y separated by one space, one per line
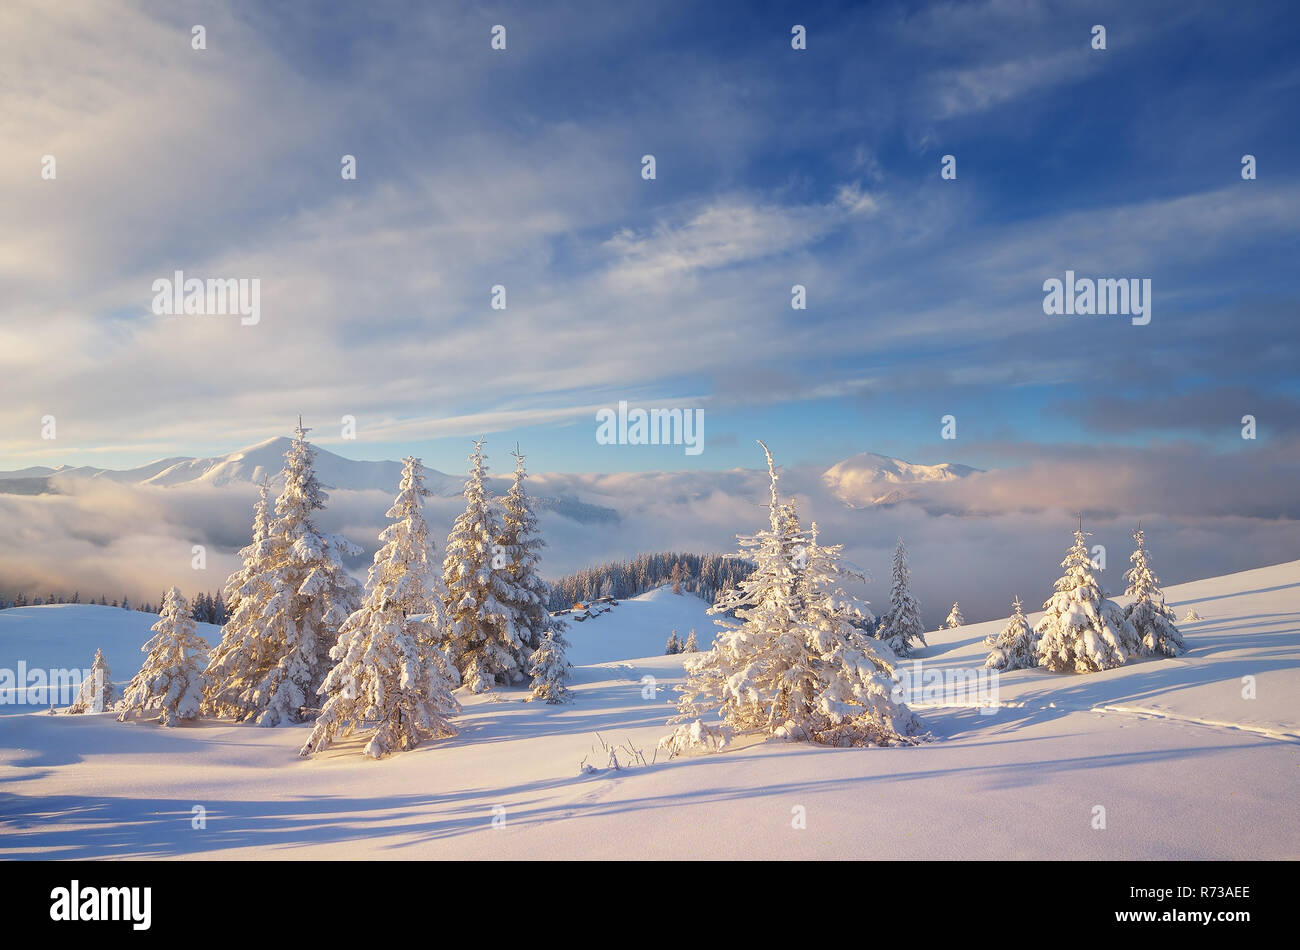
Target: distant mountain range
862 481
251 465
266 460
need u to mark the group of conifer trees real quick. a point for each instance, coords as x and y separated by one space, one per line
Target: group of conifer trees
1083 630
796 657
303 640
706 575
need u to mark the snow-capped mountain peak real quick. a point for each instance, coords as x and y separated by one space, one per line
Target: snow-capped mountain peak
871 479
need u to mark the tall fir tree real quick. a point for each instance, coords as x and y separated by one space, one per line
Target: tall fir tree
1016 647
171 679
274 653
852 676
97 691
792 665
691 645
389 675
228 679
1151 617
521 541
480 633
1082 631
902 626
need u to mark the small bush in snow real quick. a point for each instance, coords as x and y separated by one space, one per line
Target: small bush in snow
695 736
631 756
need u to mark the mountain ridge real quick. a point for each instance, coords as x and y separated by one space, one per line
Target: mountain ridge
863 480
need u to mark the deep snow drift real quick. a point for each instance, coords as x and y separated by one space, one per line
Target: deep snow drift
1184 765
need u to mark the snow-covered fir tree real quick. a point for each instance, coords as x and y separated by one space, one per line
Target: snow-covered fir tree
1016 647
955 619
901 627
241 649
550 669
389 676
275 649
480 634
674 644
821 573
1151 617
97 692
853 676
171 679
691 646
791 664
1082 631
527 594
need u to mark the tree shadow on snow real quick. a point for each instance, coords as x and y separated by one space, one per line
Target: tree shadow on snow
161 828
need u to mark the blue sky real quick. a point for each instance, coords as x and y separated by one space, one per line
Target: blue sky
774 167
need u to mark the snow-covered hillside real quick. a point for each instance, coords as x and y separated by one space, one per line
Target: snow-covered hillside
66 636
639 627
1194 757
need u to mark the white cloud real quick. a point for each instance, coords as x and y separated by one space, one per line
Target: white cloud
963 91
727 233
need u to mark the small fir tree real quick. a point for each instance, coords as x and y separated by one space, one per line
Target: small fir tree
1016 647
1151 617
97 690
551 670
170 681
1082 630
902 626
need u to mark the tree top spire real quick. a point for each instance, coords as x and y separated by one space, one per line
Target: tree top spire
771 471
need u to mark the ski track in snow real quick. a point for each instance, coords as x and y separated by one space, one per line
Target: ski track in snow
1140 711
1215 723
